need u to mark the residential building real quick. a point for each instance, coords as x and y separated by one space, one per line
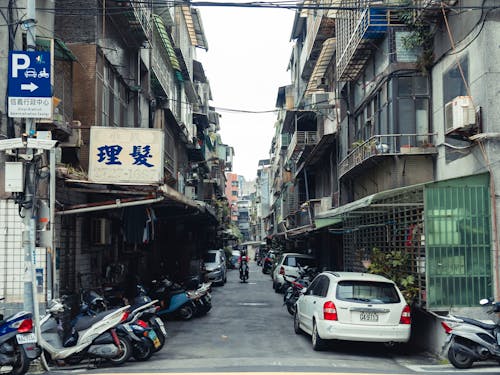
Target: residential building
385 145
140 165
232 193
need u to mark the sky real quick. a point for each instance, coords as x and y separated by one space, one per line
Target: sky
246 62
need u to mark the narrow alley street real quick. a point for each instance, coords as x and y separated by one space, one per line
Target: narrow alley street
248 330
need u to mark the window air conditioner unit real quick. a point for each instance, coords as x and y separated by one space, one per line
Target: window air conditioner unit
459 114
100 231
322 100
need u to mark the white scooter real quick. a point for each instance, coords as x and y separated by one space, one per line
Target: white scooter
91 337
470 340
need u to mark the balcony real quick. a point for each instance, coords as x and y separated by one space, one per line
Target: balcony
388 145
320 28
356 30
300 140
137 16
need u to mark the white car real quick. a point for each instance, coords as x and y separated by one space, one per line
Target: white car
352 306
215 265
288 264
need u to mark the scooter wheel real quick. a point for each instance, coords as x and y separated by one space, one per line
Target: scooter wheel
144 350
162 339
186 312
21 364
459 360
126 352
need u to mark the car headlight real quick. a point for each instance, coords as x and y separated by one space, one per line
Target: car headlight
217 269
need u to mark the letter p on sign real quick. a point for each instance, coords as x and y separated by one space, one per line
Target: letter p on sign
19 62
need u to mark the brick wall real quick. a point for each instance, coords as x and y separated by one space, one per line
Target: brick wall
84 93
82 27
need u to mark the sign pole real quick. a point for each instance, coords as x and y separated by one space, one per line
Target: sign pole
29 233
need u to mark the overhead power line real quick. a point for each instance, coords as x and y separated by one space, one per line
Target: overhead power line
347 6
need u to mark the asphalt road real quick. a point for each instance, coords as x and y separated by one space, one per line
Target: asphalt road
249 330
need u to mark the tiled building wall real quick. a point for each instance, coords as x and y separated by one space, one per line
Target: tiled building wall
12 257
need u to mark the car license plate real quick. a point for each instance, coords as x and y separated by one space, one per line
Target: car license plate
154 338
26 338
162 326
367 316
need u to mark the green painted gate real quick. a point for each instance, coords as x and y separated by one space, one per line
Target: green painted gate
458 242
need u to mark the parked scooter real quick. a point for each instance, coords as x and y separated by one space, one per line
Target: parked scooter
17 343
201 298
89 337
295 287
174 300
143 338
145 330
470 340
148 314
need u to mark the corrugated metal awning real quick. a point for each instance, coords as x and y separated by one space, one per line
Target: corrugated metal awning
336 215
324 60
167 43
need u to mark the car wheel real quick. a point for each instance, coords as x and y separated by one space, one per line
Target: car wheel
317 342
296 323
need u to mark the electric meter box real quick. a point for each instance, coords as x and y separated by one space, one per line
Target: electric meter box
14 176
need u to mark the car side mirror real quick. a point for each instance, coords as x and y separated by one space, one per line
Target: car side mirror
304 291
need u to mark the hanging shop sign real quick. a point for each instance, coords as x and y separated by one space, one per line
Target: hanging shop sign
126 155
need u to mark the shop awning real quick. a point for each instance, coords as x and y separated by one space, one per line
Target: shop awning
374 201
61 50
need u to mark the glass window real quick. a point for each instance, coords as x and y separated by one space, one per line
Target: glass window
322 288
453 83
367 291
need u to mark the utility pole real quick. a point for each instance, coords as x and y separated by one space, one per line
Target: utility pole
29 236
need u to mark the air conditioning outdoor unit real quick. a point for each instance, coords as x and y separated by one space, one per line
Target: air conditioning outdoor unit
459 114
74 140
322 100
100 231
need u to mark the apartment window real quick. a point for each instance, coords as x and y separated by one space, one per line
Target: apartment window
113 95
453 83
413 109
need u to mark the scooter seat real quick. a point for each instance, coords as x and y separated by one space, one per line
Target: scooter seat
477 323
84 322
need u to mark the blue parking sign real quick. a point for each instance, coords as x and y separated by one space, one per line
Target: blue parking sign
29 74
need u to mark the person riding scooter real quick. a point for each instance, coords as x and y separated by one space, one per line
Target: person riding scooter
243 261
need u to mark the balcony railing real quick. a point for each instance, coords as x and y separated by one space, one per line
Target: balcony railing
301 139
355 32
138 16
390 144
